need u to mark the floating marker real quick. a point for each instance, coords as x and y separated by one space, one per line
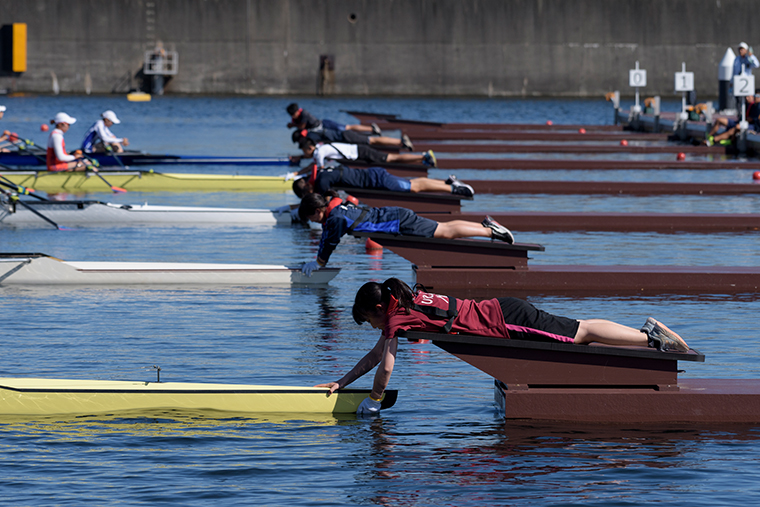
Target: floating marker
549 122
623 143
581 130
681 156
756 175
44 127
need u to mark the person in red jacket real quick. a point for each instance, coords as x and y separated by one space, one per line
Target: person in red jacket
392 307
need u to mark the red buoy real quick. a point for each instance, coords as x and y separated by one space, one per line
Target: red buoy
372 246
44 127
756 175
581 130
681 156
623 143
549 122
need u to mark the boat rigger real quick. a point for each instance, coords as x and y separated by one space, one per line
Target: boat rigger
145 181
41 269
48 397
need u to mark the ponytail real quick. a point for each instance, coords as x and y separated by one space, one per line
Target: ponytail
372 294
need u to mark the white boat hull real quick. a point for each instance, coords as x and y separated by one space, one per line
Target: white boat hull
43 270
96 213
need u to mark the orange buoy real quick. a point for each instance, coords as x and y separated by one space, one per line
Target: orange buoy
681 156
549 122
372 246
623 143
44 127
581 131
756 175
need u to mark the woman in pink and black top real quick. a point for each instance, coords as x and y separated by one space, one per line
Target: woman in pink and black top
57 159
392 306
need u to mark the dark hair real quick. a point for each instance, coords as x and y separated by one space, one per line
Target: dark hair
301 187
292 108
310 204
296 137
304 142
372 294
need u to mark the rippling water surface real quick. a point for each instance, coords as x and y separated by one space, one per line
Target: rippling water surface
443 443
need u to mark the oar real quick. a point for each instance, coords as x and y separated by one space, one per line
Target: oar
95 163
46 219
113 154
21 190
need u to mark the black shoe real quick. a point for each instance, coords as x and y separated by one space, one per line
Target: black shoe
406 142
459 188
429 159
498 231
376 130
451 179
661 338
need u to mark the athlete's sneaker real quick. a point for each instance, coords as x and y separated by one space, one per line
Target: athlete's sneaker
406 142
429 159
498 231
451 179
459 188
726 142
376 130
709 141
662 338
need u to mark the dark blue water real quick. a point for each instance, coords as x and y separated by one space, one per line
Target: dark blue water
443 443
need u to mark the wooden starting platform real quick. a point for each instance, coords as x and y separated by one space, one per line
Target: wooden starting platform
553 381
419 202
475 268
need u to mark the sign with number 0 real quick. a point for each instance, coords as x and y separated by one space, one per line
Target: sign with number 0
744 85
637 78
684 81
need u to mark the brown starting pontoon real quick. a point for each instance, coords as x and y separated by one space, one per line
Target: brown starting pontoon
552 381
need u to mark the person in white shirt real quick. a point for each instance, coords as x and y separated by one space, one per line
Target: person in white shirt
336 151
99 137
57 159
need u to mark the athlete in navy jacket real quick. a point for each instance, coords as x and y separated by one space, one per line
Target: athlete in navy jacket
338 218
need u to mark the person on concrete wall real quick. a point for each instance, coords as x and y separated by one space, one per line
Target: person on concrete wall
327 135
321 181
322 152
302 119
743 64
99 137
339 218
57 159
392 306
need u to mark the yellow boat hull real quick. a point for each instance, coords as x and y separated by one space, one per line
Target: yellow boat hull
46 397
146 181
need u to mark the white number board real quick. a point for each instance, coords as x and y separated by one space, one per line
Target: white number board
744 85
684 81
637 78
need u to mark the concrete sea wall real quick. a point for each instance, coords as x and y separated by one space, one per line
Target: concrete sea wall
379 47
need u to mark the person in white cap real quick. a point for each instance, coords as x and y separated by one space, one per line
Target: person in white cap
4 142
99 138
57 159
745 59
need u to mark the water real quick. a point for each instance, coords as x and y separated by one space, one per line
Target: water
442 444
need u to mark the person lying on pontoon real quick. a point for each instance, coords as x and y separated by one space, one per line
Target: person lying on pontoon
99 137
302 119
339 218
347 136
320 181
322 152
392 307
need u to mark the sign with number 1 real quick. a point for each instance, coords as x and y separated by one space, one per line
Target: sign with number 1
684 81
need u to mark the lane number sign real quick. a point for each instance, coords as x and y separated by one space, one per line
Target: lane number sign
684 81
744 85
637 78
